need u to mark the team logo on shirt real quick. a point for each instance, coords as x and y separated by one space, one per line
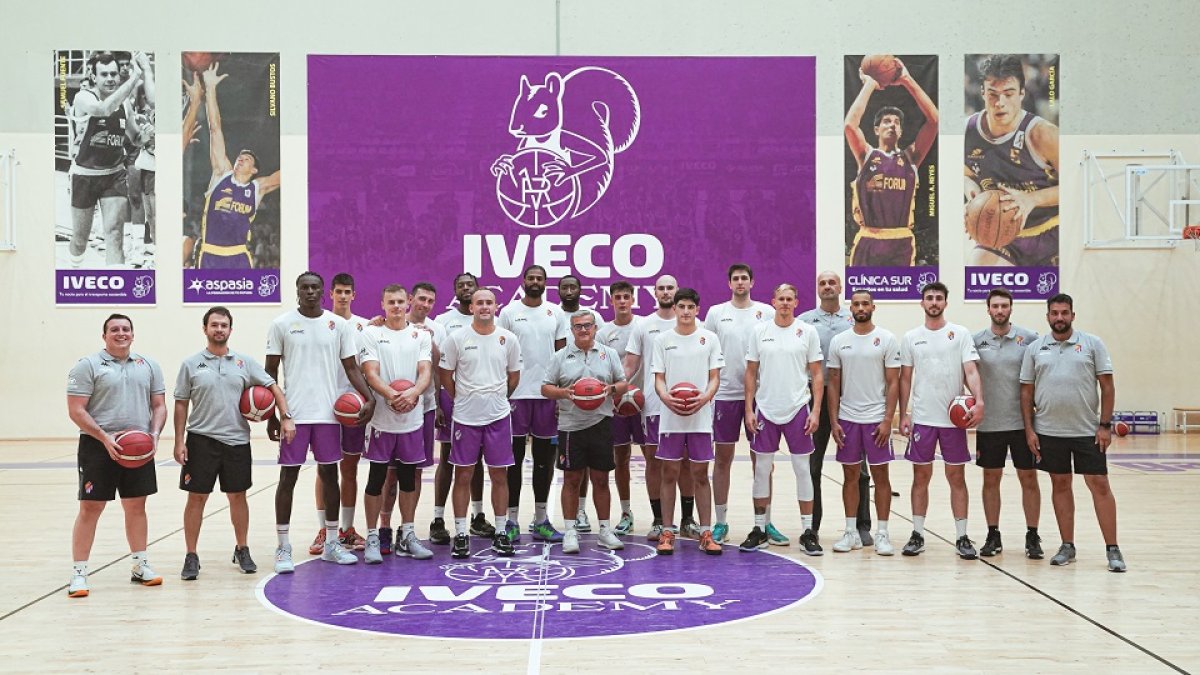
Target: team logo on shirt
549 313
241 364
950 335
875 342
1079 348
139 361
332 325
202 366
701 339
359 326
414 334
501 339
603 356
758 314
1020 339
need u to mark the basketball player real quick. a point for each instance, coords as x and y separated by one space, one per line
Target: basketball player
541 332
314 345
864 376
830 319
1059 377
109 392
392 352
783 357
1013 150
568 301
626 430
687 353
480 368
453 320
233 192
1001 349
732 321
585 442
887 179
217 440
144 164
935 360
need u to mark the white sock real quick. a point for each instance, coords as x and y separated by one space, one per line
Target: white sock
625 507
439 512
476 508
705 528
881 526
500 528
569 524
852 524
281 531
539 512
760 521
604 526
460 526
919 525
582 503
513 515
373 531
331 531
960 527
347 517
722 511
321 518
80 567
405 528
139 557
806 521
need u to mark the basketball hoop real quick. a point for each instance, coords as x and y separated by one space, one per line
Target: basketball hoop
1192 232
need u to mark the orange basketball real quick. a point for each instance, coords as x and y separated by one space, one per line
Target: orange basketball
347 408
401 386
257 404
631 403
1121 428
987 224
883 68
197 61
959 407
685 391
137 448
588 393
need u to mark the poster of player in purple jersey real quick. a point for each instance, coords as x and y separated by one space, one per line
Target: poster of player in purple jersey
231 177
104 217
1011 174
891 131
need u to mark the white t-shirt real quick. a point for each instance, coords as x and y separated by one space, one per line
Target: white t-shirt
537 328
783 354
453 320
733 326
312 350
641 343
687 358
481 364
937 358
358 326
398 353
437 333
862 360
617 338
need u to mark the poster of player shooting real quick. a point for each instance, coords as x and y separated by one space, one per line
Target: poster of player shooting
104 216
231 177
891 174
1010 170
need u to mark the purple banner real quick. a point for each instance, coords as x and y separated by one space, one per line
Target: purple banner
104 287
605 168
230 286
890 283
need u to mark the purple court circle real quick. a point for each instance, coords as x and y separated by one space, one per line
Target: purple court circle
543 593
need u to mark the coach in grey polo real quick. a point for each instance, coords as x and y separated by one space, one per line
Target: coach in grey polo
1067 396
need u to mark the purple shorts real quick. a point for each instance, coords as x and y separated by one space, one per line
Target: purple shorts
860 444
627 430
674 446
923 439
650 429
325 440
427 438
876 252
537 417
447 405
766 440
386 447
212 261
727 421
493 441
354 440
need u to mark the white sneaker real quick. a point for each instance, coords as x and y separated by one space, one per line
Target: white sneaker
582 524
883 545
283 560
143 574
411 547
570 543
334 553
371 553
78 587
850 541
608 539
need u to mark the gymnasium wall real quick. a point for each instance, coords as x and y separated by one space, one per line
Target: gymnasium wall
1121 91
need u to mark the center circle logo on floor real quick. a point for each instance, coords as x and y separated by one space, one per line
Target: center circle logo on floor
542 592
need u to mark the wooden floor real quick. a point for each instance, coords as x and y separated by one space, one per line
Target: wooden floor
933 613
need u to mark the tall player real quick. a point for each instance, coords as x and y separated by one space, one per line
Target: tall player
733 322
1011 149
936 358
886 184
314 345
626 430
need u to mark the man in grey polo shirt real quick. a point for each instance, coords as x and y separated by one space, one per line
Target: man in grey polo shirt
1001 347
217 442
585 440
1059 376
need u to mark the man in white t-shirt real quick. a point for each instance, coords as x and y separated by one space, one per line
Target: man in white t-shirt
569 291
686 354
733 322
480 367
936 358
314 345
626 430
864 384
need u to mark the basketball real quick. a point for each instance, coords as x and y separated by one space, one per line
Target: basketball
257 404
196 61
987 224
401 386
1121 429
883 68
588 393
959 408
685 391
631 403
347 408
137 448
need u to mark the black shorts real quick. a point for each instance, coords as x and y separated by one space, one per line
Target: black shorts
1058 454
590 448
101 478
87 190
209 459
992 447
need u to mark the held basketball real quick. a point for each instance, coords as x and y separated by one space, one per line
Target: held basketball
1121 429
588 393
883 68
685 391
197 61
987 224
631 403
959 407
348 407
401 386
137 448
257 404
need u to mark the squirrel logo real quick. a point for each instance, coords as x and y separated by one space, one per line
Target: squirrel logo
569 129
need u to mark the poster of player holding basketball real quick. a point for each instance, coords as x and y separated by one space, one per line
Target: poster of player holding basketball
104 217
891 210
230 177
1011 174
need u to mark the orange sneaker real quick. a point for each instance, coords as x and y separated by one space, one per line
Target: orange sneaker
318 545
708 545
666 542
350 539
